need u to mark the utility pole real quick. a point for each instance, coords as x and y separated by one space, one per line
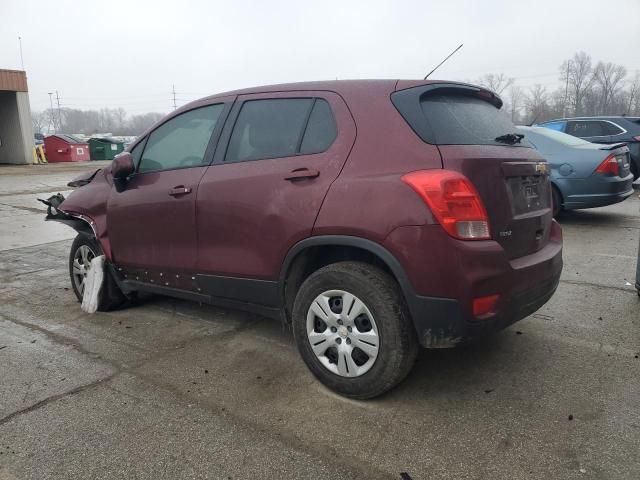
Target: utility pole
59 116
51 119
21 57
174 96
566 91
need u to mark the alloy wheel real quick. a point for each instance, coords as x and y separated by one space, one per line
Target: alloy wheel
81 266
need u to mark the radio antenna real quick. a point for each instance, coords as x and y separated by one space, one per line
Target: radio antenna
438 66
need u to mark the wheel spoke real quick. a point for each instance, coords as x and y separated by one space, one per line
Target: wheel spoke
77 268
84 255
355 308
351 364
319 342
368 342
342 363
320 310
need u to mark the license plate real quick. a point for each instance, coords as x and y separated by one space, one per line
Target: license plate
528 194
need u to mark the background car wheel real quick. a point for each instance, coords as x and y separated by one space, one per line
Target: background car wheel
634 169
353 330
556 200
83 249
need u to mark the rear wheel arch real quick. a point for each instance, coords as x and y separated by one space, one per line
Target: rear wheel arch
311 254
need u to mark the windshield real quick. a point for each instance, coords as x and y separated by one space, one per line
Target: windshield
464 119
565 139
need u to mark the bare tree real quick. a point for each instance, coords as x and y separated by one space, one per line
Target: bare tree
607 76
580 79
536 103
515 100
496 82
633 94
39 121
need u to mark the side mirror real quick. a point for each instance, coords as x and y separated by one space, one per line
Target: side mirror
121 167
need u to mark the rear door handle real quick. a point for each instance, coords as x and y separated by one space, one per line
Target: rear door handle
299 173
179 190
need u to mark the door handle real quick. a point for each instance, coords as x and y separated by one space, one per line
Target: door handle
299 173
179 190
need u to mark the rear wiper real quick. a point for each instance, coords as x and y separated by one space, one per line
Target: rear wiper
510 138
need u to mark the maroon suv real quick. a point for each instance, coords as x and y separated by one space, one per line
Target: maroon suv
371 216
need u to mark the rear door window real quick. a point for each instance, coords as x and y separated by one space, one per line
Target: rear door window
182 141
459 119
281 127
268 129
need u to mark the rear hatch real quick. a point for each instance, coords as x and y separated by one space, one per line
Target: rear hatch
510 177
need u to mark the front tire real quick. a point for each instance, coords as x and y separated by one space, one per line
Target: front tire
353 330
83 249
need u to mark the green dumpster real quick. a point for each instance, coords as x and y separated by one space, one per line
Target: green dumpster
104 148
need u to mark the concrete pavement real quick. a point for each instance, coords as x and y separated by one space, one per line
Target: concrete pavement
172 389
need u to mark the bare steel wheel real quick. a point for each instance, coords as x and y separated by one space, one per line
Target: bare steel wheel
353 330
81 266
343 333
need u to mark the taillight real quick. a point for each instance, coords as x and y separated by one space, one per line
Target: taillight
609 166
454 202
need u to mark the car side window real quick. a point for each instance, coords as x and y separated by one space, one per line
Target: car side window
321 129
587 128
559 126
268 128
182 141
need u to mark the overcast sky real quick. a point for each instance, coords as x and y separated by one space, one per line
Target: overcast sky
130 53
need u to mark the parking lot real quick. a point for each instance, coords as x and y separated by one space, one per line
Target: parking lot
169 389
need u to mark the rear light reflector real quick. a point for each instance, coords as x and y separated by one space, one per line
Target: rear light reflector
609 166
483 306
454 202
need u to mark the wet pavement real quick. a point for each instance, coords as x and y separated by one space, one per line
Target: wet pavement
172 389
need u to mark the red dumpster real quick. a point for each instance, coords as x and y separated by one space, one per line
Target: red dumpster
65 148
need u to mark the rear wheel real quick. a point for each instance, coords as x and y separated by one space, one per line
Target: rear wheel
556 201
353 330
84 249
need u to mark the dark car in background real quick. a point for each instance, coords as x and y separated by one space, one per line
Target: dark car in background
604 130
583 174
430 226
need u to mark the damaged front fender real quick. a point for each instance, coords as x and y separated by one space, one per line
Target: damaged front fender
78 222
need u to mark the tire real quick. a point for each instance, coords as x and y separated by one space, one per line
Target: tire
110 297
556 201
381 311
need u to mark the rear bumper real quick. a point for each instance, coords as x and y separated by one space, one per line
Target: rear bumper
602 193
524 284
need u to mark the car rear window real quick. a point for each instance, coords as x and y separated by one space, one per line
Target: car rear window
464 119
454 114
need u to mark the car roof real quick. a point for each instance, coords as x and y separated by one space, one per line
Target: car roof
342 87
595 117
